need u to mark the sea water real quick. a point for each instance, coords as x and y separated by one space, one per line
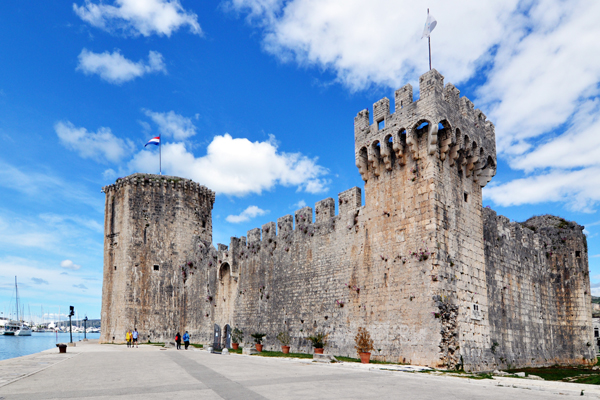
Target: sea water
17 346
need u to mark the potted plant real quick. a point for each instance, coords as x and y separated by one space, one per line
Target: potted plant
319 341
237 336
258 337
364 345
284 339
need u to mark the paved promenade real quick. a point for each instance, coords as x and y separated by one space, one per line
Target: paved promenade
93 371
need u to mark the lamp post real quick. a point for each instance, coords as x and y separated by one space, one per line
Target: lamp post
85 327
71 313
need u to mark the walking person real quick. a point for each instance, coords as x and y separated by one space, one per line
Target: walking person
135 338
128 338
186 339
178 340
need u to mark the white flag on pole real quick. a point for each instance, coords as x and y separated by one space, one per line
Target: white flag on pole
429 26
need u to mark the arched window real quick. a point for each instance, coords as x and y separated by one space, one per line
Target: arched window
224 271
363 156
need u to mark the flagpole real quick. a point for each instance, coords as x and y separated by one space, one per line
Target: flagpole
429 41
160 154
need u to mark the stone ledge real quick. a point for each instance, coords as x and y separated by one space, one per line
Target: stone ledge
324 358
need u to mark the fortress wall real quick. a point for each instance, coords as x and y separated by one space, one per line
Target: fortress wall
334 276
538 291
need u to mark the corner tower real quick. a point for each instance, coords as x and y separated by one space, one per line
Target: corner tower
152 224
424 166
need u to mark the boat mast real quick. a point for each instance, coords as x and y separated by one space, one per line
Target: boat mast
17 297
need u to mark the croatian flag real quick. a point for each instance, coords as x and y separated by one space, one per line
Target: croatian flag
154 141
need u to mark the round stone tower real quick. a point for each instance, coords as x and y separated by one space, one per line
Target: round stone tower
152 224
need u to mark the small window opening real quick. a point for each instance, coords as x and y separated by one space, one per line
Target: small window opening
401 104
466 197
156 267
596 333
578 254
381 124
475 307
115 267
204 223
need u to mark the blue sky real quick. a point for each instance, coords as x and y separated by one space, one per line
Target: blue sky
256 100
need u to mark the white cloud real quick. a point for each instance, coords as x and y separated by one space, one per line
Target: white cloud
68 264
595 256
538 61
40 281
109 174
21 233
44 186
299 205
544 71
579 189
172 125
114 68
139 17
100 146
379 41
237 166
55 220
246 215
578 146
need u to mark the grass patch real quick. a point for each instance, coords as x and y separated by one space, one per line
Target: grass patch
196 345
357 360
161 344
348 359
482 376
564 373
280 354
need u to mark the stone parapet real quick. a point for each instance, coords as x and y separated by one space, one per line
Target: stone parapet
449 125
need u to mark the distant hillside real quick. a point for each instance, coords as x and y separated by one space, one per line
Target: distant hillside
595 300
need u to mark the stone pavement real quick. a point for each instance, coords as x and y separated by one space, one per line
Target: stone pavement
93 371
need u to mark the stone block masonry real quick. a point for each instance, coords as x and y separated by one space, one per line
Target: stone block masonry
435 278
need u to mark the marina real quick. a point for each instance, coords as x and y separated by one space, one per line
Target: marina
18 346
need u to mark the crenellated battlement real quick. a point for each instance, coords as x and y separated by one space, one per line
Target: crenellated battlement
324 212
169 182
439 124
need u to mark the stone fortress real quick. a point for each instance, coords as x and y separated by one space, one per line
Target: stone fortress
436 279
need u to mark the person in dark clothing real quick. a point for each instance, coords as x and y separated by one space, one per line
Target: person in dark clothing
186 339
178 340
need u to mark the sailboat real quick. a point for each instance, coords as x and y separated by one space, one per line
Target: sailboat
18 327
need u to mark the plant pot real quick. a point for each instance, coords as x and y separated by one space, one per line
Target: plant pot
259 347
235 346
285 349
318 350
364 357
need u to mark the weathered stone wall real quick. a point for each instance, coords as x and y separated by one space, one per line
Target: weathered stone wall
152 225
538 291
413 265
